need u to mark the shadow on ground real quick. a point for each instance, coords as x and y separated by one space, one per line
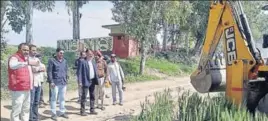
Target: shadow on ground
4 119
7 107
122 118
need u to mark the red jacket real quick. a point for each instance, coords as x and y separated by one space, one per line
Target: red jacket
19 79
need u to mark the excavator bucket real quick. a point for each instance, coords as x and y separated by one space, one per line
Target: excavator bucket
212 79
201 81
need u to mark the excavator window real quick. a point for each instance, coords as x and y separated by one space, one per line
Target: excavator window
265 41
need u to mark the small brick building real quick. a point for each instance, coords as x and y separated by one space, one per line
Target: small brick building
123 45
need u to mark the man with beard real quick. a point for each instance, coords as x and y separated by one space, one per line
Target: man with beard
36 90
116 76
20 82
102 75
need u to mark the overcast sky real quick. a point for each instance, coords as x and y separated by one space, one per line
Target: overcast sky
51 26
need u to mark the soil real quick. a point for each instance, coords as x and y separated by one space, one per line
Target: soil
134 95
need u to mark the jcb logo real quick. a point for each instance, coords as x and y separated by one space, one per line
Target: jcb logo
230 45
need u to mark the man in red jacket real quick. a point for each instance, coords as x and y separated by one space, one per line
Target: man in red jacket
20 82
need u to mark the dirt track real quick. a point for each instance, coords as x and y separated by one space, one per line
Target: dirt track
134 95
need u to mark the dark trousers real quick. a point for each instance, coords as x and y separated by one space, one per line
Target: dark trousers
85 91
41 95
256 91
35 96
49 93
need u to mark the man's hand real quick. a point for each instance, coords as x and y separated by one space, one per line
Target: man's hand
42 69
33 63
80 84
52 85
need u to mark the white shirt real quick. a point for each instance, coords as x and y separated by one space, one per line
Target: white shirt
91 69
114 70
40 76
15 64
36 74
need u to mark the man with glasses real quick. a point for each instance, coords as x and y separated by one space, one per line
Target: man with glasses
57 75
87 78
20 82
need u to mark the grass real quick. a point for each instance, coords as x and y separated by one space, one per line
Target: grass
216 108
160 110
141 78
193 107
162 65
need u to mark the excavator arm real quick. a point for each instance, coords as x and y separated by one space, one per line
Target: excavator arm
242 59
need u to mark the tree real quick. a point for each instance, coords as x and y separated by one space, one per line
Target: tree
257 20
4 5
139 20
199 23
73 7
21 12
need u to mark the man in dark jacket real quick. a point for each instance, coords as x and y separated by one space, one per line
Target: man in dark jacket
77 61
57 74
87 78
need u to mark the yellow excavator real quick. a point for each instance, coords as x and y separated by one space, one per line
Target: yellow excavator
242 73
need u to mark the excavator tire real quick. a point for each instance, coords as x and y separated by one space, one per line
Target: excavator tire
257 96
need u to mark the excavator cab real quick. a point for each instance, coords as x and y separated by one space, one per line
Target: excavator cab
238 74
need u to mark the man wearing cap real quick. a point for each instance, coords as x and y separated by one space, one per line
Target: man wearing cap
102 75
116 76
57 75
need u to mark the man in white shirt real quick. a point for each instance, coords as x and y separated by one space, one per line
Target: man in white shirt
42 76
20 82
87 79
116 76
36 90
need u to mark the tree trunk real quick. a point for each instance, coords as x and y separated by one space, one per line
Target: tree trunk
143 56
29 20
144 41
165 34
76 34
198 44
173 37
3 12
187 42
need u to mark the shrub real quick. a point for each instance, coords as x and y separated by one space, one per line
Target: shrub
161 110
193 107
177 57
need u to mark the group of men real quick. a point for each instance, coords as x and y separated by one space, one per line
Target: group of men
27 73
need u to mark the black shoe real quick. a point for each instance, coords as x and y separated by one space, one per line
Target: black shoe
41 105
83 114
107 96
64 116
54 117
102 108
93 112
